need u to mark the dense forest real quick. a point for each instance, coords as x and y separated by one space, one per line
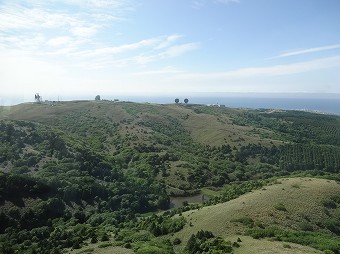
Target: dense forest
81 173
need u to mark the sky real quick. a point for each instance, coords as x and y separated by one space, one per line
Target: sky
81 48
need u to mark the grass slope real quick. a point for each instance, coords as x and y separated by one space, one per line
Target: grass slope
301 197
250 245
218 130
205 125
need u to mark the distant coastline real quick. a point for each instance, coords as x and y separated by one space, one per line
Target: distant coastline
316 103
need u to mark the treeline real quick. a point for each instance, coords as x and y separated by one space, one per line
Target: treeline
325 242
162 225
255 161
294 157
296 126
206 242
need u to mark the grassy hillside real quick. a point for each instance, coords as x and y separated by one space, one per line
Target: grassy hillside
72 173
296 204
251 245
290 204
207 126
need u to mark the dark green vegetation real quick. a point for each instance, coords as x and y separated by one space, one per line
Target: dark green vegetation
205 242
316 240
87 172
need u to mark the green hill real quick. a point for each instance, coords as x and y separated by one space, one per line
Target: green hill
77 172
295 203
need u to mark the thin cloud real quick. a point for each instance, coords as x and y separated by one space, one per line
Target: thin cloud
43 16
67 35
32 24
307 51
145 51
143 58
85 31
22 42
101 4
29 25
168 41
163 71
178 50
15 17
105 51
170 52
59 41
276 70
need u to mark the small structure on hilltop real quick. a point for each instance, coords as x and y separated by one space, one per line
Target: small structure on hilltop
216 105
38 98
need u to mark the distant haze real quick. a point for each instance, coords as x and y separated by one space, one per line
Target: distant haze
323 103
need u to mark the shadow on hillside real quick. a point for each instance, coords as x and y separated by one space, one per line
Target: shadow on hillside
19 202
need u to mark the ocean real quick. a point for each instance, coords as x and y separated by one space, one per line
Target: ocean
329 105
320 105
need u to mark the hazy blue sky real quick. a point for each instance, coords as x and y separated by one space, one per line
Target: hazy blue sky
168 47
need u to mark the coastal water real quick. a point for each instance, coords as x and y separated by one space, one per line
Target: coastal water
331 106
321 105
176 202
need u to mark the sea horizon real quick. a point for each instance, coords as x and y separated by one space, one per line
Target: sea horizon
327 104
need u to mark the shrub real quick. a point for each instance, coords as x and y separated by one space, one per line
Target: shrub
127 245
236 244
329 203
320 241
94 239
104 245
305 226
104 237
156 247
206 242
177 241
76 245
280 207
247 221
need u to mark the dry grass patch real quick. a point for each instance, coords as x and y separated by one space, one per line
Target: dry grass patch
250 245
218 130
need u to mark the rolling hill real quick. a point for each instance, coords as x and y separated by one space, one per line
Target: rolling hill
206 125
99 173
290 204
293 203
